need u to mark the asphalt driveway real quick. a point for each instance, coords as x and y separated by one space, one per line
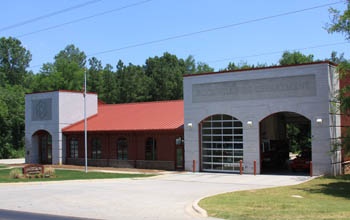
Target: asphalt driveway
168 196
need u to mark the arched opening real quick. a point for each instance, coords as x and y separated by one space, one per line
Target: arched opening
285 140
221 143
44 146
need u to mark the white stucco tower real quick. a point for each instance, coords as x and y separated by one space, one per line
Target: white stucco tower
45 116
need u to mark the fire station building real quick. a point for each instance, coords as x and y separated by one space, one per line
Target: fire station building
226 119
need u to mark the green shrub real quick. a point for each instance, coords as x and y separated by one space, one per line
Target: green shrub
8 152
17 153
16 174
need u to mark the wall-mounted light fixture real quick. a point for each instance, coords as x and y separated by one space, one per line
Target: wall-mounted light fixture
190 125
319 121
249 124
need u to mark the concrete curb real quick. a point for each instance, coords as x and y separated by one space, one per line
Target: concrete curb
198 209
202 212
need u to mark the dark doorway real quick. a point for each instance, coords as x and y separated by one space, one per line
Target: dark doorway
285 140
45 147
179 157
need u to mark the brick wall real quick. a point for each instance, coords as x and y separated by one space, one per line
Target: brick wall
141 164
153 164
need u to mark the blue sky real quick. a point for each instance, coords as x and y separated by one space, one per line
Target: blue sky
248 37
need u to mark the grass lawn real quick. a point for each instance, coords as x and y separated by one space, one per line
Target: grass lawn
321 198
68 175
2 166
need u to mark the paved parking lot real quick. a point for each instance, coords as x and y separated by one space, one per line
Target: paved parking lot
168 196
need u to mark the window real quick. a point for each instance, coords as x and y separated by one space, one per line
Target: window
122 149
179 141
74 145
151 149
96 148
222 143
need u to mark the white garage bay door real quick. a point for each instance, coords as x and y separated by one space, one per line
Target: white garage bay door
221 143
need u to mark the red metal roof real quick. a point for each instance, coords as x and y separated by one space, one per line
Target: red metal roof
165 115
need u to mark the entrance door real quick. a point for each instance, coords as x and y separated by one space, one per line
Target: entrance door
45 148
179 157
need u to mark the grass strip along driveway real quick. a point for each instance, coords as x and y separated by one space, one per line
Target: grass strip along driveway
320 198
61 174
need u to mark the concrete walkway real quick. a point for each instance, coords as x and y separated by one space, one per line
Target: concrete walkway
12 161
169 196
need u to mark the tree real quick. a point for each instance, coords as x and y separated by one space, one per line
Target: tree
47 79
134 84
203 68
241 66
94 76
109 91
67 71
11 120
165 75
192 66
289 58
14 59
340 23
231 66
70 54
70 65
337 59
